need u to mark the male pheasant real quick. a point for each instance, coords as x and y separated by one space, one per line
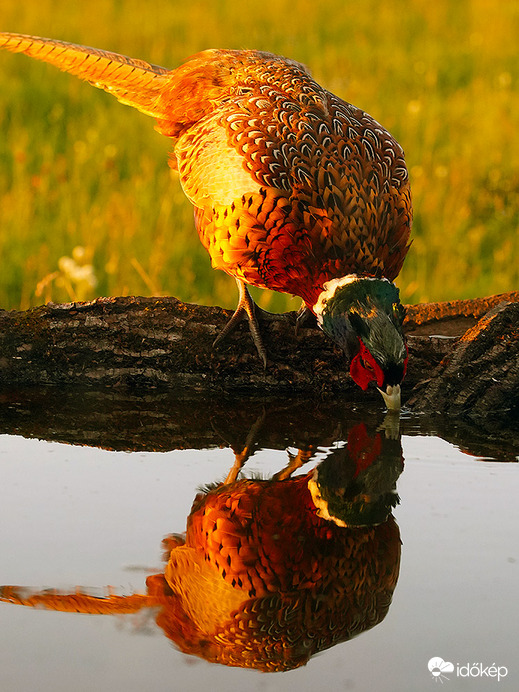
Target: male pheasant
294 189
270 572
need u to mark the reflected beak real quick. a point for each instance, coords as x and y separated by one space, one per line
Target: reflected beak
391 397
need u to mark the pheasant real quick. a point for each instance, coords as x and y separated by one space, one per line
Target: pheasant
293 189
270 572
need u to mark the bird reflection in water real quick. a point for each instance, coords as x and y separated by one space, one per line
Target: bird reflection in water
270 572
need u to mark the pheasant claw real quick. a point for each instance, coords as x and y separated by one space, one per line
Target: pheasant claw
245 305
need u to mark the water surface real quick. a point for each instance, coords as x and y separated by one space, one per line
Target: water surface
82 516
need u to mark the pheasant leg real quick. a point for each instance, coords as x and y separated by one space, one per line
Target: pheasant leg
247 306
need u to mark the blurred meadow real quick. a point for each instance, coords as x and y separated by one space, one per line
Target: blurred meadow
89 207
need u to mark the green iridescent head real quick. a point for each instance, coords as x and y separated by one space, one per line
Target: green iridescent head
364 316
355 485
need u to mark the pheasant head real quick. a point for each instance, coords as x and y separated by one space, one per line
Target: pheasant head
364 316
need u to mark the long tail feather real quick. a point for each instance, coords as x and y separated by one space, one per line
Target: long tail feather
134 82
78 602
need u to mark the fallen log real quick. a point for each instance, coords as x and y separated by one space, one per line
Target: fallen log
151 343
479 377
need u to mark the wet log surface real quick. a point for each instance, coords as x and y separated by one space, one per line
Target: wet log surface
139 344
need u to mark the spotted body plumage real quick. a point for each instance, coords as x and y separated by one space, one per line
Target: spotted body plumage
322 187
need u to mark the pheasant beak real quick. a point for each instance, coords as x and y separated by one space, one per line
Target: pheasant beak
391 397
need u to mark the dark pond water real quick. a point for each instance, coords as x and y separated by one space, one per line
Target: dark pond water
88 506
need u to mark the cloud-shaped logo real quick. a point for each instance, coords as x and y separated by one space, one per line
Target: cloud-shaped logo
438 667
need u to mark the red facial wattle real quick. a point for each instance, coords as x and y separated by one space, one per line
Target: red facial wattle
364 368
362 448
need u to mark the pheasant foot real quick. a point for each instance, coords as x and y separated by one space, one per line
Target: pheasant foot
245 305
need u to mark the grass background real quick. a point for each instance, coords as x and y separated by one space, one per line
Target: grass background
78 169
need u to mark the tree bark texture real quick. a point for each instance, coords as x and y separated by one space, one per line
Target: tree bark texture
463 359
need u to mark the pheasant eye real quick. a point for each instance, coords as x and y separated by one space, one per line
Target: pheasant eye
368 365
